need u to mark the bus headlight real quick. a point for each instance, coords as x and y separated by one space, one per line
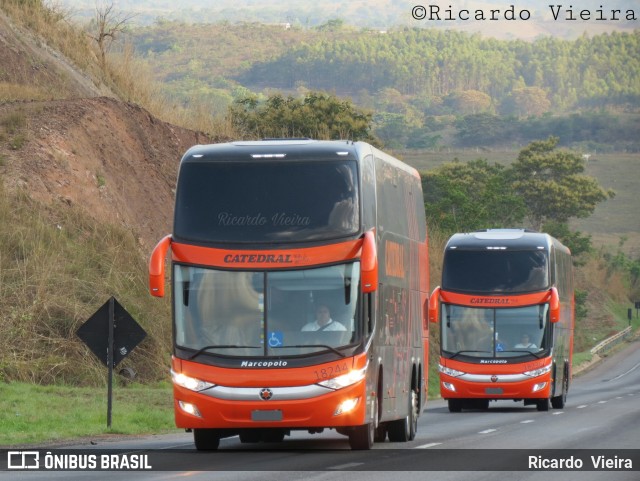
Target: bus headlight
449 372
190 408
345 380
189 383
346 406
538 372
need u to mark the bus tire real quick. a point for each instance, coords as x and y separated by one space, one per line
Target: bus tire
414 408
400 430
206 439
362 437
380 434
542 404
558 402
455 405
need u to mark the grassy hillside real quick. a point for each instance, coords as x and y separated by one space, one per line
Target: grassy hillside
57 266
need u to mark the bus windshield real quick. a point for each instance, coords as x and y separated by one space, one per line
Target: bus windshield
266 201
495 272
263 314
486 332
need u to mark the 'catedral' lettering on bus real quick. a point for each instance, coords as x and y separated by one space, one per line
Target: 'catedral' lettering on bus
482 300
258 259
394 263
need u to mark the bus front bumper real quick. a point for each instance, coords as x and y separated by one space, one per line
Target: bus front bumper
495 387
343 407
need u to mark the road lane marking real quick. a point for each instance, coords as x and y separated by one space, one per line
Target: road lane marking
624 373
527 421
345 466
602 402
557 413
427 446
582 406
487 431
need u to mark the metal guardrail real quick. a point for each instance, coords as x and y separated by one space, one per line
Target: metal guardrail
611 341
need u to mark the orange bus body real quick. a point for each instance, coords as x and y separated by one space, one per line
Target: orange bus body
536 375
373 387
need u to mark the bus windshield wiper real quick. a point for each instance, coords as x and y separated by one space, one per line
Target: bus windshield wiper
222 346
527 352
461 352
315 345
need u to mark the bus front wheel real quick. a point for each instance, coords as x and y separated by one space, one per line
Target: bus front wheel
206 439
542 404
362 437
455 405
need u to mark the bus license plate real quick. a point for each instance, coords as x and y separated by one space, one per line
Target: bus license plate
261 415
494 390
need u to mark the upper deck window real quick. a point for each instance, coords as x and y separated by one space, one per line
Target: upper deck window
495 272
266 201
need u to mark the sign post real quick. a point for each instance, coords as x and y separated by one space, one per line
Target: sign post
111 334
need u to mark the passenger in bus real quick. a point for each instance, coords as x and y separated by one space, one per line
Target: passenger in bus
229 316
525 343
323 321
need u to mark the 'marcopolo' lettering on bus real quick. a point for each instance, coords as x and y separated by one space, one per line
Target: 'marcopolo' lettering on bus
263 364
258 258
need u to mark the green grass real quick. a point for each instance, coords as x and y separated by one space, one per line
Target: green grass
32 414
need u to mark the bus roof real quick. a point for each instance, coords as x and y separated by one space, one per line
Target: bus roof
298 149
501 238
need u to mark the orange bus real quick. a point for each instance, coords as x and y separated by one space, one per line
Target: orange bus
506 307
299 293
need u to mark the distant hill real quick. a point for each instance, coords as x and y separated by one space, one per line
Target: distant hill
384 14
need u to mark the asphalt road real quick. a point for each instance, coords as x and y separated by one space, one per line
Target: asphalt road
602 415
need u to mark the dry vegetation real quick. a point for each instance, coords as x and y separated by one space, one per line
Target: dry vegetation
123 75
57 266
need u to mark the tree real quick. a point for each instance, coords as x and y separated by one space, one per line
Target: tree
462 197
576 241
316 115
552 184
482 129
468 102
108 25
527 101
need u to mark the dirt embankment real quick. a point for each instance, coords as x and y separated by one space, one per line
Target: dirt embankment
113 159
75 143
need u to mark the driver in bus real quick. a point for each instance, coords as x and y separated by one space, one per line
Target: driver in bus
323 321
525 343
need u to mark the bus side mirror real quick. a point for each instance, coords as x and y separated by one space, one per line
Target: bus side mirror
554 305
369 263
156 267
434 301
